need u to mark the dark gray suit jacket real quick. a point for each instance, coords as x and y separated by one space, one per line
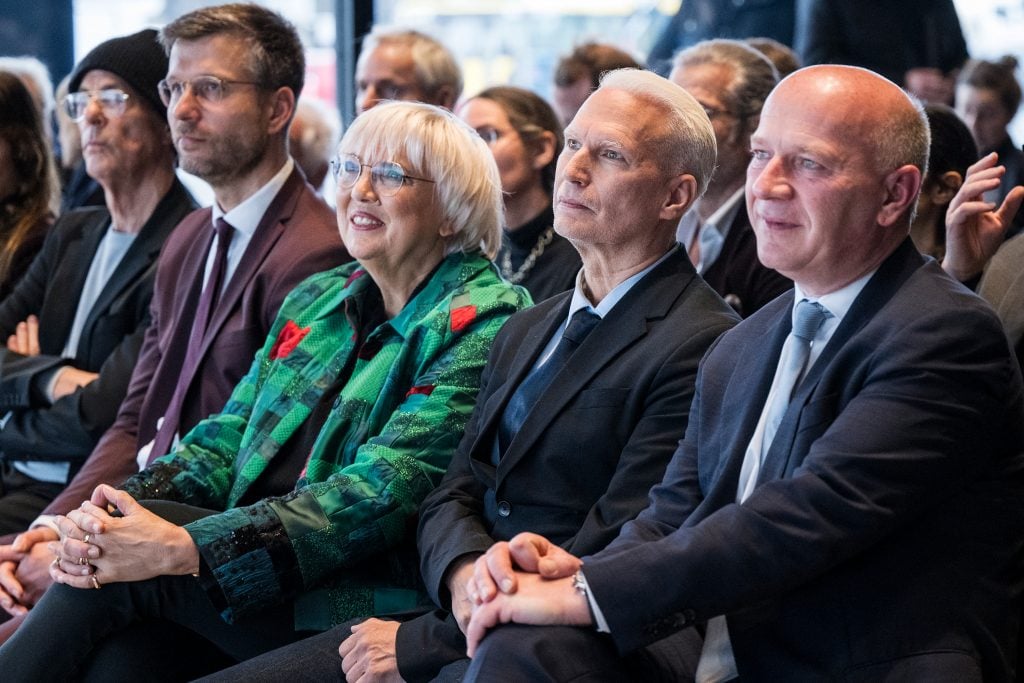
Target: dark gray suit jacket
596 441
297 237
884 538
110 340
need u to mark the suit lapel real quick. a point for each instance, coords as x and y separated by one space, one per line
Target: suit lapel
748 391
268 232
192 269
891 275
526 354
651 298
143 252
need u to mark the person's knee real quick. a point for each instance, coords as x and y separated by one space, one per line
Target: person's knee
546 653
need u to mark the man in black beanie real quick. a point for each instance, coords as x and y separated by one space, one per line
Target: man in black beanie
75 322
133 59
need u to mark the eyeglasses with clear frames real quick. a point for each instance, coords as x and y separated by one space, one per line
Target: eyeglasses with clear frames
204 88
387 177
113 101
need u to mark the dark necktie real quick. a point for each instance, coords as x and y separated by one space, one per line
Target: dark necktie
519 406
207 304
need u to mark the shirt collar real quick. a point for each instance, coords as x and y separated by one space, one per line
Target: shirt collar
246 216
580 300
838 302
720 221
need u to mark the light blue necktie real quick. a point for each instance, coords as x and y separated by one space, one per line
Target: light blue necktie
809 317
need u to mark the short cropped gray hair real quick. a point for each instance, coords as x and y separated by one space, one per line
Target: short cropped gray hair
434 63
903 138
689 145
754 76
437 145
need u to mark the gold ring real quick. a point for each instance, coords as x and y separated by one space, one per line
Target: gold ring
85 539
83 561
95 581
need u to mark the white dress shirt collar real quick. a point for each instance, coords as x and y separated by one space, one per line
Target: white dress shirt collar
246 217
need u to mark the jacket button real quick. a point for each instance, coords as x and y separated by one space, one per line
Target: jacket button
504 509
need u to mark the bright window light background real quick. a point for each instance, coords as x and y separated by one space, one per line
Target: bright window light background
98 20
506 41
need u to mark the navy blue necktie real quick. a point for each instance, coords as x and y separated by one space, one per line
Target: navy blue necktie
519 406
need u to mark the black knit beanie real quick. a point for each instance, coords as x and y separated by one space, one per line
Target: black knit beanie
139 59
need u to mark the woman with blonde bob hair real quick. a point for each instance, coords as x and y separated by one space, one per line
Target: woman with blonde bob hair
291 510
467 186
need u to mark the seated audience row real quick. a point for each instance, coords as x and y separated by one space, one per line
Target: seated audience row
294 414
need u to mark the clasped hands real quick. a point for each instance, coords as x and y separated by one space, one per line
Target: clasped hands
97 547
527 580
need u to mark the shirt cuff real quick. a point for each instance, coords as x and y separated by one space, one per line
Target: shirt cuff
49 521
47 382
595 609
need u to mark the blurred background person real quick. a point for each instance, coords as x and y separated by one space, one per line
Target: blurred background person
731 81
916 44
407 65
525 137
28 182
699 20
579 73
36 77
987 97
951 152
312 138
785 59
78 188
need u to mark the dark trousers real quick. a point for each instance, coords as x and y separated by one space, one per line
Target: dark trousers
22 498
510 653
163 628
316 659
539 654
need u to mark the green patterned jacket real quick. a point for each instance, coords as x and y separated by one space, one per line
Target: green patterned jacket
342 544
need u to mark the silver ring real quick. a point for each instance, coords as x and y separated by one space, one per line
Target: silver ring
56 562
85 539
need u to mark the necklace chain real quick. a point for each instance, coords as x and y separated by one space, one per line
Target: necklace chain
517 276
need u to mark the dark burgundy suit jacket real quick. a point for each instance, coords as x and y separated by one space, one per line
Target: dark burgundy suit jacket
297 237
